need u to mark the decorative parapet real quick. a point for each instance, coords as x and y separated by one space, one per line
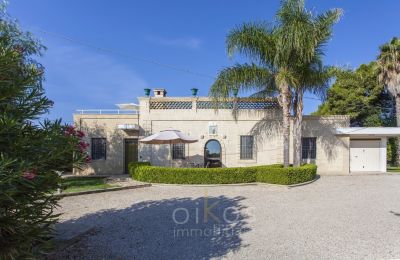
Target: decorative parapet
239 104
208 103
170 104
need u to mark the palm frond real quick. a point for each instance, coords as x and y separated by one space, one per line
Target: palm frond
302 35
323 25
389 66
294 33
253 40
265 93
246 77
316 81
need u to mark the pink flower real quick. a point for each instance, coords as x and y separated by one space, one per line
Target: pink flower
70 130
88 159
83 145
80 134
29 175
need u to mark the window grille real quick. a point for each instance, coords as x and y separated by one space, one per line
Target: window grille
178 151
98 148
246 147
309 147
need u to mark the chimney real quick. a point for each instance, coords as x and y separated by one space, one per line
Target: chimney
160 92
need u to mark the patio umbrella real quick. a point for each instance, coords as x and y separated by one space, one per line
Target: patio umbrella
168 137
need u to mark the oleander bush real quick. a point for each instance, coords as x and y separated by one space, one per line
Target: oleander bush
275 174
32 151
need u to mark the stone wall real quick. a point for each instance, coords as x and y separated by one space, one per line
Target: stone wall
105 126
264 124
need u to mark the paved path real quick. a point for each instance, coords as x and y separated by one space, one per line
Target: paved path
337 217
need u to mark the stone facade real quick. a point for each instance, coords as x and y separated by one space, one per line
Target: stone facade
333 151
263 124
106 126
194 116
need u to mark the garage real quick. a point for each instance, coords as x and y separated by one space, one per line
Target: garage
365 155
367 145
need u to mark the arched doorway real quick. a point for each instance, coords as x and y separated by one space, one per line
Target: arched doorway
212 154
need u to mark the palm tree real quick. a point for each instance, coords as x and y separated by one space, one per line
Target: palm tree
314 78
389 75
279 55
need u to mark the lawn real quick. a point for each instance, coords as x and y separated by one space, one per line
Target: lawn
76 184
393 169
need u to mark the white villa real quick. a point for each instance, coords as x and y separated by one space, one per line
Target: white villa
252 136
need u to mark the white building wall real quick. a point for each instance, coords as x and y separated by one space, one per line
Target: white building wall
229 132
265 125
332 151
383 150
106 126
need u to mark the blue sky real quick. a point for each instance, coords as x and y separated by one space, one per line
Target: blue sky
185 34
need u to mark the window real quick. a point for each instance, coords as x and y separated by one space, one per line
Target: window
213 130
98 148
178 151
309 147
212 149
246 147
212 154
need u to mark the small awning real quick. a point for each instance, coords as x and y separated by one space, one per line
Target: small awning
168 137
131 106
128 127
369 131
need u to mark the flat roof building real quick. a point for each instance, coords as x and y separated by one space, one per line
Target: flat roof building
237 132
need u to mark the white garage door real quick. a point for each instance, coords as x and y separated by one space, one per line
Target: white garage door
364 155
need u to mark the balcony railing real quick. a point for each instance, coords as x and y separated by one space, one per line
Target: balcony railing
107 112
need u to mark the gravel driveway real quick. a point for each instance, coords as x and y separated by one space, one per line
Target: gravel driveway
337 217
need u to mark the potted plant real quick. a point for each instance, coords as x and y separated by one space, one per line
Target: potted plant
235 92
147 92
194 91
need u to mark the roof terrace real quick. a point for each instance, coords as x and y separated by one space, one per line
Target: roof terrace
107 112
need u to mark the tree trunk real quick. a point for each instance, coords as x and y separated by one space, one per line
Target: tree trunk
397 100
286 122
294 108
298 122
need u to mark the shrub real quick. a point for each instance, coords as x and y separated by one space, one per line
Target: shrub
134 165
270 174
32 151
288 175
194 175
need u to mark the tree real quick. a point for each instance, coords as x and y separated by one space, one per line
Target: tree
283 57
313 77
32 151
389 75
359 94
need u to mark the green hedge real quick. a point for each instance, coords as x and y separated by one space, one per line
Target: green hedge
287 175
134 165
276 174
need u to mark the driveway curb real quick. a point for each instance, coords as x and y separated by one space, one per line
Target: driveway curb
236 184
61 195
